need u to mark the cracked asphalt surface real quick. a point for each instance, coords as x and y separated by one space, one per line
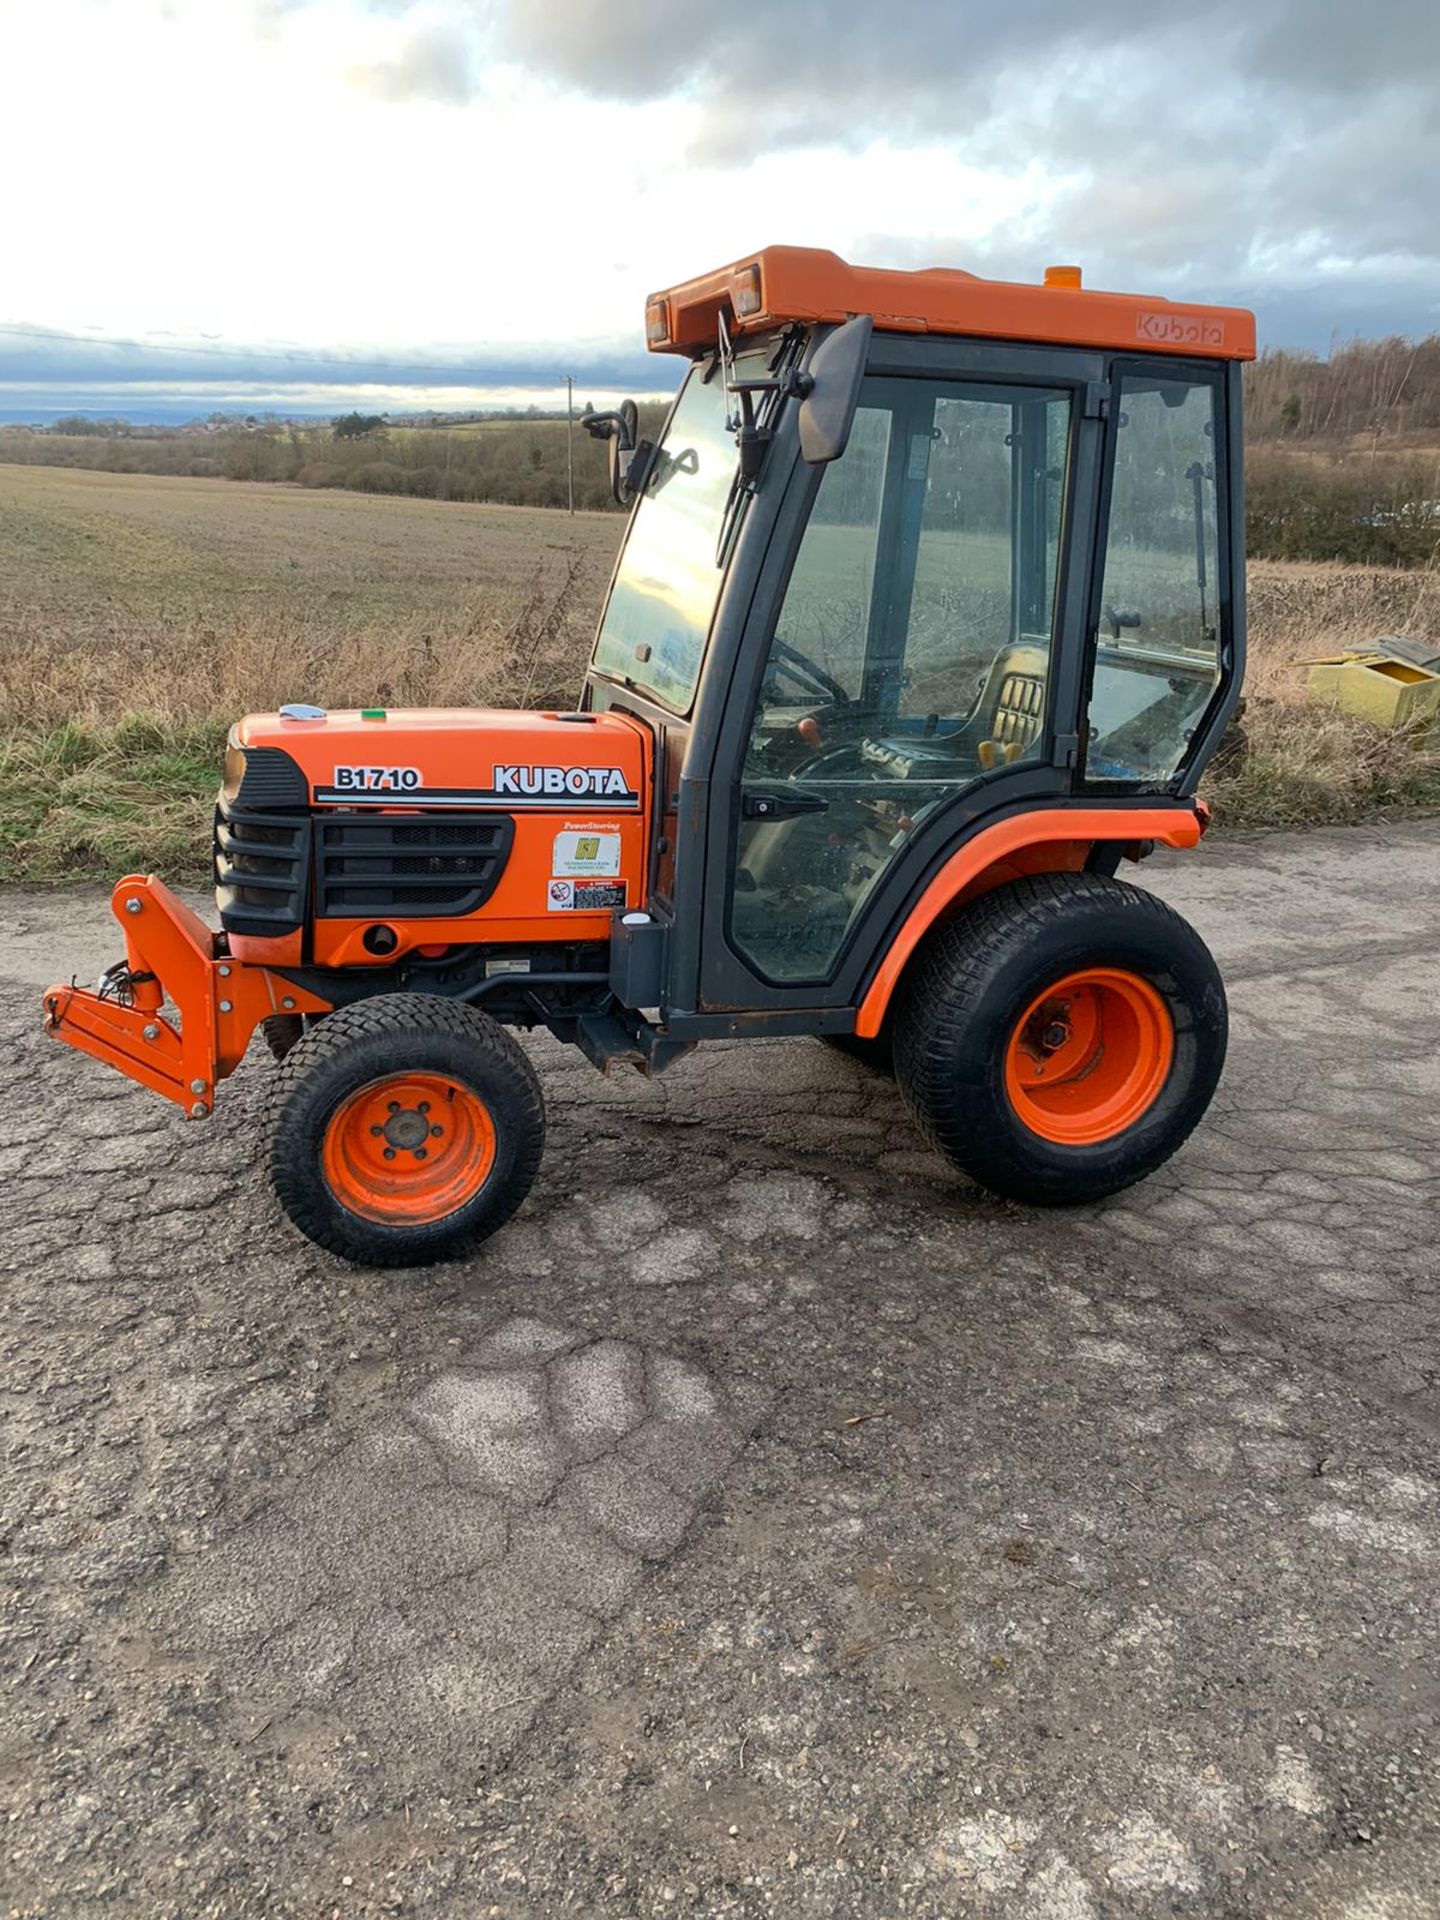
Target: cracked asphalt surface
766 1522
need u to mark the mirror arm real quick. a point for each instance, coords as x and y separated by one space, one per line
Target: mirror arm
608 426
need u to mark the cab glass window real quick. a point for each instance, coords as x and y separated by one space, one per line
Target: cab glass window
658 617
1157 649
911 655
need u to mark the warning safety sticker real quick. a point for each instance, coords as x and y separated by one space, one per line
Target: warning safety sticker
585 896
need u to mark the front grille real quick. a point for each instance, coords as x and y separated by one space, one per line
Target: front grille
368 864
262 864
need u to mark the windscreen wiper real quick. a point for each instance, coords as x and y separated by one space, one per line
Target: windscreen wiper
753 425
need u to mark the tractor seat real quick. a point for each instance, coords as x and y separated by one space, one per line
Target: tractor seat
1011 703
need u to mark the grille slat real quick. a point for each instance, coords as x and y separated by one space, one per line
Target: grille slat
262 864
367 865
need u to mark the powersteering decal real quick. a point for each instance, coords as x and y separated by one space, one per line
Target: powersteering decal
586 855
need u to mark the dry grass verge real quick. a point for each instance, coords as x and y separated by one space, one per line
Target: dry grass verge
1308 764
109 758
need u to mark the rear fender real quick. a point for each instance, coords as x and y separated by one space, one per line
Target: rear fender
1049 840
172 955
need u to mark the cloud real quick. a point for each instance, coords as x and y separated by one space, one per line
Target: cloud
1253 144
513 169
47 369
434 62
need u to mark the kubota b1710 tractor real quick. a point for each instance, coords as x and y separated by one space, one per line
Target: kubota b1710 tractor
930 612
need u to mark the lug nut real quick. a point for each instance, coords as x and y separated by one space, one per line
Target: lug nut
377 1131
436 1132
421 1152
394 1106
424 1106
389 1153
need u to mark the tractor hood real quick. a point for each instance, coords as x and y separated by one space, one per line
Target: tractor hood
440 757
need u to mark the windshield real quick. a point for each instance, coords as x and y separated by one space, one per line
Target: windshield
663 600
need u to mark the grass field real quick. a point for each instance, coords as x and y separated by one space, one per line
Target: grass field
139 614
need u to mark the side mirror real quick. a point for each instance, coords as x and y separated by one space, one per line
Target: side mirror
621 429
836 369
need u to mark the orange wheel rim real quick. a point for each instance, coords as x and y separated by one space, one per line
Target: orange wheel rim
408 1148
1089 1056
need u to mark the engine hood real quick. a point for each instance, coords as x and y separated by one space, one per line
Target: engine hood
454 757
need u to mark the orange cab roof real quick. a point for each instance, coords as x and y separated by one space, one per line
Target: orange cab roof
781 284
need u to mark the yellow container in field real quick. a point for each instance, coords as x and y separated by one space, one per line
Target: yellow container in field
1395 683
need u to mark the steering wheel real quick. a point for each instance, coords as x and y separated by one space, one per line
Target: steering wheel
808 675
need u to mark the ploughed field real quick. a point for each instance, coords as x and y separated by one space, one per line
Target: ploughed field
139 614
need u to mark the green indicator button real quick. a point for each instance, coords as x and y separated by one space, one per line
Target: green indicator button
372 713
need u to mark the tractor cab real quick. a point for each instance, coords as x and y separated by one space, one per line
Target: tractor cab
914 551
929 613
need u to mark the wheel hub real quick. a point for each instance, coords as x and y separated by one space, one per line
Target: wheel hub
406 1129
1088 1058
409 1148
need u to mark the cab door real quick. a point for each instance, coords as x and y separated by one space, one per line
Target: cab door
906 682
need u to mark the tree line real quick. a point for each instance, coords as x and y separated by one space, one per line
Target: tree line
1381 389
1343 454
516 462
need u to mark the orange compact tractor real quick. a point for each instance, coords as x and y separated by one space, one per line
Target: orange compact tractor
930 612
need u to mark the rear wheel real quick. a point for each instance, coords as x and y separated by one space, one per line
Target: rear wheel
1061 1038
402 1130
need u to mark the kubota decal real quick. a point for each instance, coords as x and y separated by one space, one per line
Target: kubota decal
1177 330
606 783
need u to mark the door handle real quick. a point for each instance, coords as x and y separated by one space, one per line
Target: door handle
782 805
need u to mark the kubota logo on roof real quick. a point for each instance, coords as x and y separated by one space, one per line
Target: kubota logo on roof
1174 330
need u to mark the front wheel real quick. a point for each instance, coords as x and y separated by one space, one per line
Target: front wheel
1061 1038
404 1129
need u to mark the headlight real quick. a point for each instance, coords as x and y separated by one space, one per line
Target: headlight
234 771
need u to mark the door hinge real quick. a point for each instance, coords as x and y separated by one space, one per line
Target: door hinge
1097 400
1067 748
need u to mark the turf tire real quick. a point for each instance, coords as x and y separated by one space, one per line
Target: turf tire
393 1034
971 981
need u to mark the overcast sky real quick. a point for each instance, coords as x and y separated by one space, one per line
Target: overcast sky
452 196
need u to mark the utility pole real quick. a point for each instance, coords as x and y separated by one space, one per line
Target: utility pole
570 438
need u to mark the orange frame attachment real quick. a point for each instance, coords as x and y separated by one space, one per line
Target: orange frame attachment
172 955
